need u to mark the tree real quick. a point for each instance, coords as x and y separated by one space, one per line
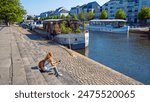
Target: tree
74 17
58 17
68 16
11 11
120 14
48 17
78 30
63 16
144 14
55 17
90 15
30 18
81 16
103 15
65 29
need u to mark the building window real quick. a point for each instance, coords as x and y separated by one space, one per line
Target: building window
111 11
129 10
111 7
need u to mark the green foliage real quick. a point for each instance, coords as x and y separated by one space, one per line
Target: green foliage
62 27
11 11
68 17
103 15
78 30
30 18
74 17
90 15
58 17
48 17
68 30
55 17
81 16
65 29
120 14
63 16
52 17
144 14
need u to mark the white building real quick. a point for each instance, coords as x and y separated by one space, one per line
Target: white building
143 3
46 14
91 6
130 7
75 10
61 11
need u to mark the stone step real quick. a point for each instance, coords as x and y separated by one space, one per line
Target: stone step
39 77
37 54
33 75
19 74
29 73
5 56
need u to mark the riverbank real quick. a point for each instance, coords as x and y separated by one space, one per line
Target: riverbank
26 49
144 30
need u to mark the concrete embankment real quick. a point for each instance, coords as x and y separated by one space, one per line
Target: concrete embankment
139 30
76 69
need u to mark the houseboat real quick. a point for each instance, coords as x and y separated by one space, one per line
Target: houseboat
108 25
73 39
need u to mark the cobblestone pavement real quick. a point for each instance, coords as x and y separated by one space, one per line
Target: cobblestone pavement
76 69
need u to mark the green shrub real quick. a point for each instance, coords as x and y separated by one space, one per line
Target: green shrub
78 30
64 29
68 30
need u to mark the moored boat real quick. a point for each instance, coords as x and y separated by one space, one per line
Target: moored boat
74 39
108 25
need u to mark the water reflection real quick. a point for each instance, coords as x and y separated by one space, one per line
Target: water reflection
127 54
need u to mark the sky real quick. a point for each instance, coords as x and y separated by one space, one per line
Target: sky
35 7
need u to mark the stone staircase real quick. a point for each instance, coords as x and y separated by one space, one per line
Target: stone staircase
26 70
30 55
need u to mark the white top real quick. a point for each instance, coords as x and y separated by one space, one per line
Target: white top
108 20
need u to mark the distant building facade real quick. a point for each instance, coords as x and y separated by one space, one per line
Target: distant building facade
75 10
46 14
92 6
143 3
130 7
58 12
61 11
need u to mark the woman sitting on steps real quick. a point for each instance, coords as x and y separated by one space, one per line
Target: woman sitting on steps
49 65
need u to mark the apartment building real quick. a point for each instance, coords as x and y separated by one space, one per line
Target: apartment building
46 14
58 12
61 11
130 7
92 6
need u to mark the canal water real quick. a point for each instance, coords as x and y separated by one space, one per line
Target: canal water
129 55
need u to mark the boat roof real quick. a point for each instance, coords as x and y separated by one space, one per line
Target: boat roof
109 20
53 20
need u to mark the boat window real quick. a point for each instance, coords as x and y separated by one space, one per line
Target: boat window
76 39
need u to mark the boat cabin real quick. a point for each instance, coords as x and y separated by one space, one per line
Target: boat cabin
52 26
115 23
